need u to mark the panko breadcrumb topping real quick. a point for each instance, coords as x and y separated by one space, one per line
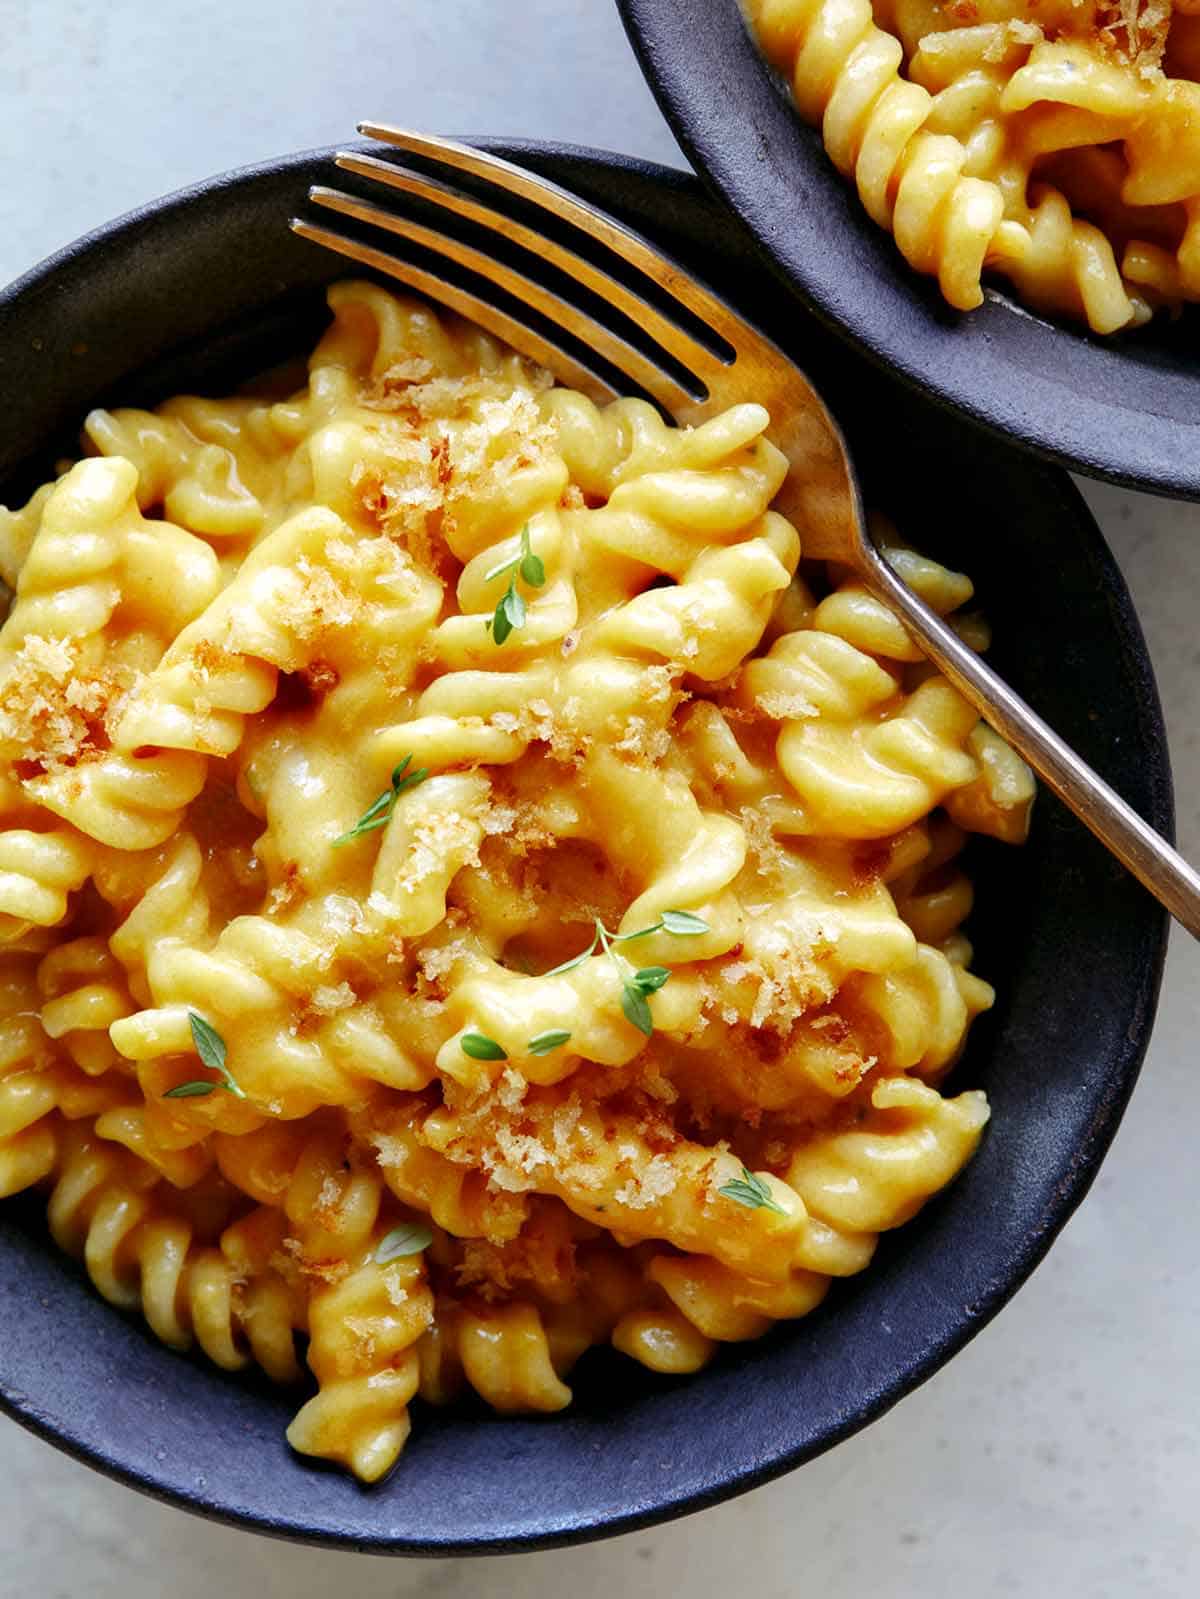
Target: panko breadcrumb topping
1136 32
55 711
788 974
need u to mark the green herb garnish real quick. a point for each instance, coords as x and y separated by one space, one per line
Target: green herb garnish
530 565
510 612
480 1047
681 923
210 1047
544 1043
409 1239
651 978
637 1008
379 812
633 995
635 986
750 1190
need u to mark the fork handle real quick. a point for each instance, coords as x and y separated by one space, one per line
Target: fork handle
1117 825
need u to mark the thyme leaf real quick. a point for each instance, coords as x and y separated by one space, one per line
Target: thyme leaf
650 978
636 1008
480 1047
681 923
750 1190
635 986
379 812
210 1047
508 614
545 1042
409 1239
532 569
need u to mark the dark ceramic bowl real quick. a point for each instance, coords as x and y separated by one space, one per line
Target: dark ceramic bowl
209 286
1124 408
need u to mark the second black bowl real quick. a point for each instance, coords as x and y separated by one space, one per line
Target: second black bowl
1126 408
202 290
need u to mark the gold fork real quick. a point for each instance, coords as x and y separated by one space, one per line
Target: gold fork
708 358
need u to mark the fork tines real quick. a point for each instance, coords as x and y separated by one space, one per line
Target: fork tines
579 319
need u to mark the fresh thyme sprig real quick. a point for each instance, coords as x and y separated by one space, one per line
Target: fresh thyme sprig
409 1239
510 612
681 923
210 1047
379 812
750 1190
637 985
530 564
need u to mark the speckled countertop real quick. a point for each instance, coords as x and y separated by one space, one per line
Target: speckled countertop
1059 1455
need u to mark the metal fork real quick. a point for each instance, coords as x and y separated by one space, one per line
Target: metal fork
707 357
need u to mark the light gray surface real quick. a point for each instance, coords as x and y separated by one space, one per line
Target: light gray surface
1058 1455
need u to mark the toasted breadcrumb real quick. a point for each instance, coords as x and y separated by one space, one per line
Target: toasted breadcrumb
499 819
434 841
393 1283
1136 32
782 707
769 856
326 1270
654 1181
643 741
327 1000
789 974
1016 31
54 711
541 1257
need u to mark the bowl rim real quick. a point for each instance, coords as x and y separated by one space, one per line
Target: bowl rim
65 1432
1071 411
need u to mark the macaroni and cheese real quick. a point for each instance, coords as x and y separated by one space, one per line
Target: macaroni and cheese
1055 143
465 897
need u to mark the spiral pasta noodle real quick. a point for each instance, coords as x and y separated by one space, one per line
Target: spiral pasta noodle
1051 147
499 900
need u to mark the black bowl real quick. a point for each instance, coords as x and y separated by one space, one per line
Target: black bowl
208 286
1126 408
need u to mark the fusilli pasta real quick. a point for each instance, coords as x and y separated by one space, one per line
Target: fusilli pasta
1052 144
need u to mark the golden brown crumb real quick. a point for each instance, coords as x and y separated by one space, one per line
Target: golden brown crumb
332 1270
1136 32
320 677
287 892
208 657
769 856
53 714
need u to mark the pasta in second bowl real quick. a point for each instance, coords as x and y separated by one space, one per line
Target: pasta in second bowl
938 180
504 916
1052 144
